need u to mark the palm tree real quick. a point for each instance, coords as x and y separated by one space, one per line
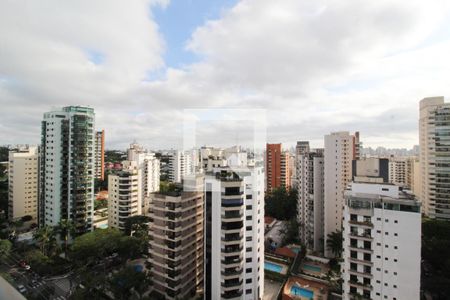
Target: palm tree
45 237
65 229
334 243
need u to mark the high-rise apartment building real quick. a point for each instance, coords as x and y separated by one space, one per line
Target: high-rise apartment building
310 188
100 155
180 165
23 174
401 171
176 240
339 152
416 183
234 245
67 167
277 167
124 196
381 243
434 138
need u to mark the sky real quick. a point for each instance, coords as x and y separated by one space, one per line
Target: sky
149 67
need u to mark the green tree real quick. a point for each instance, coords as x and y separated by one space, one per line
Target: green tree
65 229
45 237
127 280
137 225
5 248
281 203
334 243
291 232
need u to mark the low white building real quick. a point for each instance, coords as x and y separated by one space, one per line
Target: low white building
382 242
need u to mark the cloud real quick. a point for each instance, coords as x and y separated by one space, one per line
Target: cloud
316 66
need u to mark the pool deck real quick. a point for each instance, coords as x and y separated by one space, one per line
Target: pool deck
284 266
323 268
319 289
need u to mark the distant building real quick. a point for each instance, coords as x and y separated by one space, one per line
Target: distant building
371 169
149 167
100 155
177 240
277 167
338 156
434 141
67 167
180 165
124 197
23 177
381 243
401 171
310 188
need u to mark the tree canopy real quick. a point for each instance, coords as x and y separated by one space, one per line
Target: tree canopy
334 242
281 203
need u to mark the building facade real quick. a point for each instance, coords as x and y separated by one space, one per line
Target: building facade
67 167
180 165
149 167
277 167
401 171
100 155
177 240
434 138
310 187
234 237
124 196
382 243
338 155
23 180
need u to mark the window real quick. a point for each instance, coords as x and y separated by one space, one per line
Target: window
248 259
249 280
248 270
249 291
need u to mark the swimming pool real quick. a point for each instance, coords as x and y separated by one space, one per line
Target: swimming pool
298 291
272 267
312 268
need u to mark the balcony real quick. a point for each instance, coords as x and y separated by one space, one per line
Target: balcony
231 283
232 294
361 223
360 285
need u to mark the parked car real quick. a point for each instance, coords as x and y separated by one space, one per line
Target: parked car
21 288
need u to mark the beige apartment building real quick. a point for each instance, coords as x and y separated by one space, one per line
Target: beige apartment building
176 240
23 182
434 138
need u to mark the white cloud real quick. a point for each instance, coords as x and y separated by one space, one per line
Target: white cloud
316 66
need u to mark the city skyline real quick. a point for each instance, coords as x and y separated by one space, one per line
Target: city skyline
313 78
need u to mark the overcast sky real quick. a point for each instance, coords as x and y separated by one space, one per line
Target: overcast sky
313 66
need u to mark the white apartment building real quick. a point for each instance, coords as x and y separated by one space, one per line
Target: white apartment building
416 183
434 138
23 174
310 186
124 197
180 165
400 171
339 152
234 236
100 154
149 167
67 167
382 243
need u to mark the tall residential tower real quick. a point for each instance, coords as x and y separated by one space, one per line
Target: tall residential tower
67 167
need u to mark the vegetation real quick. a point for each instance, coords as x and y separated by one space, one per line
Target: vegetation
101 185
281 204
114 156
99 204
168 187
127 280
46 239
137 226
65 229
98 244
5 248
291 234
334 243
436 254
